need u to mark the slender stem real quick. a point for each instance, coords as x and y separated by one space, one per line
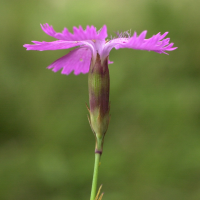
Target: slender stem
95 176
98 151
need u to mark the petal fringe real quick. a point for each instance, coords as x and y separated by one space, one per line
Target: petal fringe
90 33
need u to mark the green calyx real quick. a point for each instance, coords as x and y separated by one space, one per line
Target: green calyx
99 123
99 85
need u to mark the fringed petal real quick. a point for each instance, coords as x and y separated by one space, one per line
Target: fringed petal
77 60
79 34
55 45
155 43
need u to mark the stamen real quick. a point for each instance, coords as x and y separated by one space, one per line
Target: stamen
126 34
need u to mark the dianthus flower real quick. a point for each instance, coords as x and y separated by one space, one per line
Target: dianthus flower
92 56
90 42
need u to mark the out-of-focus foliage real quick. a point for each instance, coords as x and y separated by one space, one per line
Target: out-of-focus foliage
152 147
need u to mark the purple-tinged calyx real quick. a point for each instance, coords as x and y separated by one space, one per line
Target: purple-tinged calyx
99 86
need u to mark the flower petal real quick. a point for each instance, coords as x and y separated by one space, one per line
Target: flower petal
79 34
58 44
77 60
110 62
155 43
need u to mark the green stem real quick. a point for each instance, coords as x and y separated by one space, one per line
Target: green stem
95 176
96 169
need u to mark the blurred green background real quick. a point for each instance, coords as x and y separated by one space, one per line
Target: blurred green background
152 147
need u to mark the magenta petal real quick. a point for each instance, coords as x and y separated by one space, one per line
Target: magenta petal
79 34
155 43
141 37
58 44
77 60
163 36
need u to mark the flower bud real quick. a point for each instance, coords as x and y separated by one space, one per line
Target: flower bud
99 85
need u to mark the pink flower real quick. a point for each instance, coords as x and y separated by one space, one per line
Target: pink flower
90 42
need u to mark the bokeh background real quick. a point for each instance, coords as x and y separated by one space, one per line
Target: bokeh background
152 147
